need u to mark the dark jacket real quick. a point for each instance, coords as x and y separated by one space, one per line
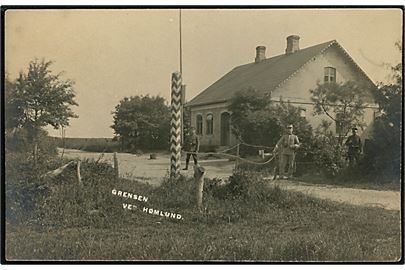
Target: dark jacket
353 142
192 143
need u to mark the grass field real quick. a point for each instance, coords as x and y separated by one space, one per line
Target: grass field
259 225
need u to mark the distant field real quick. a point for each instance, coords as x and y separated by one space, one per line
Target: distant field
88 144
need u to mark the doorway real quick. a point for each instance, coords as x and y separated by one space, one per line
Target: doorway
225 128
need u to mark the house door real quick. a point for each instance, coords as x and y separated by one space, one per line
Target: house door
225 128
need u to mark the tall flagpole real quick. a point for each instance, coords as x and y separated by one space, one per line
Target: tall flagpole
181 60
176 123
182 86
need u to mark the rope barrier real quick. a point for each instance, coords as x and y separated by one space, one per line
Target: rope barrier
226 150
233 156
252 145
257 146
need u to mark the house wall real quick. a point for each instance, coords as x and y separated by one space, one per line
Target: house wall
216 110
297 88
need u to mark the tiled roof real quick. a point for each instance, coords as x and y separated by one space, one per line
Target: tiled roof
264 76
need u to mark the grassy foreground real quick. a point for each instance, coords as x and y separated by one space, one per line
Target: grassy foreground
239 223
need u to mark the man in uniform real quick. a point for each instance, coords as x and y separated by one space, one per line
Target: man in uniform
191 144
286 147
354 147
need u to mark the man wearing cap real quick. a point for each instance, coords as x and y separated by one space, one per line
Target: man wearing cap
192 144
286 147
354 147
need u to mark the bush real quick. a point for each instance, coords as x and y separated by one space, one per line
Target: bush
215 188
382 153
16 140
176 193
59 200
19 140
223 202
247 185
25 191
325 153
71 204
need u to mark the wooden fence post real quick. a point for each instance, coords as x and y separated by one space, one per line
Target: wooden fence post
175 131
262 153
237 154
199 177
116 170
79 177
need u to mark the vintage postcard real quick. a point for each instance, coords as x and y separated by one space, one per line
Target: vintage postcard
240 135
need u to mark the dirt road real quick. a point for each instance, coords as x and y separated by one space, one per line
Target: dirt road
152 171
390 200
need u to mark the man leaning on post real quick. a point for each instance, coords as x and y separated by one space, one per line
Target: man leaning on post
286 147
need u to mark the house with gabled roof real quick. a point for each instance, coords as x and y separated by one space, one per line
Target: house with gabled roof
288 76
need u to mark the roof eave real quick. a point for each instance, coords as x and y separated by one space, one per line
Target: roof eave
206 103
333 42
356 65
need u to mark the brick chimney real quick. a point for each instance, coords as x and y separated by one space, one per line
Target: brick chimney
260 54
293 44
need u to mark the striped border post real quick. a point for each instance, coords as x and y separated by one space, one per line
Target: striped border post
175 131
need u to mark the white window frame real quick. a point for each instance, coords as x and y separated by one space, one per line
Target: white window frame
329 75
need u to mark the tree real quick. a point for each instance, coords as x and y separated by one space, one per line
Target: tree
251 118
142 122
343 103
259 121
384 153
12 109
39 98
324 152
290 114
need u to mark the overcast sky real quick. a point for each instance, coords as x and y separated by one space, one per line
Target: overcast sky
111 54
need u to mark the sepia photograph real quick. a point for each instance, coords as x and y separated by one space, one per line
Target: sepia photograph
216 134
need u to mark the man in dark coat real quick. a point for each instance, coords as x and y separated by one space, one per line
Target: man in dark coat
191 144
354 147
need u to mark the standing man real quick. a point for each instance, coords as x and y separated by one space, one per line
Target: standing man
354 149
191 144
286 147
